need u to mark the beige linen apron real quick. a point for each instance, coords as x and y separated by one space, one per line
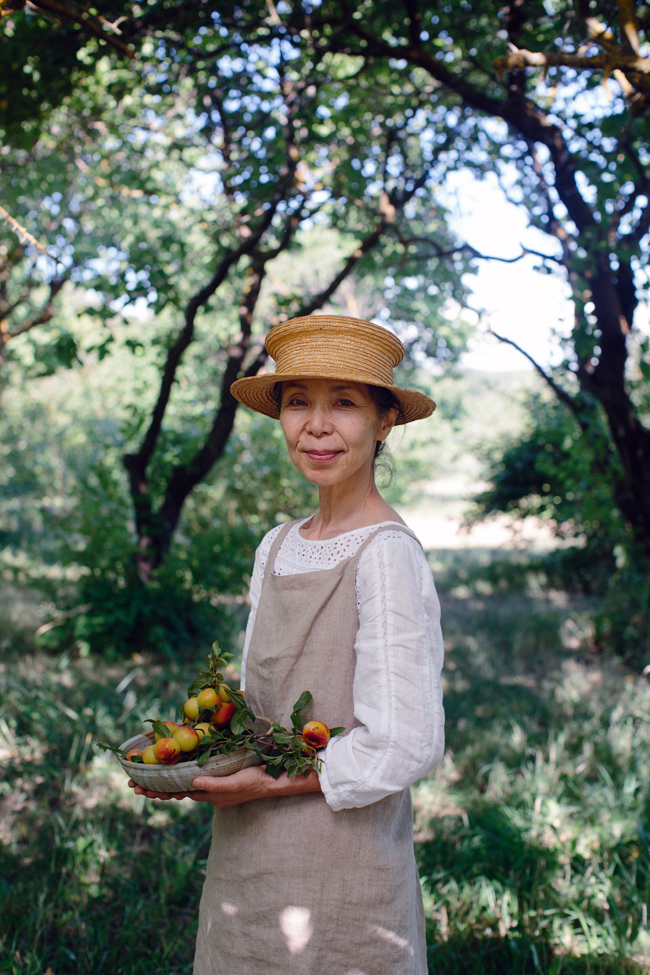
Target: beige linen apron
292 887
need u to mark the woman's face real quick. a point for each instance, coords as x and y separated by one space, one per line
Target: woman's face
331 428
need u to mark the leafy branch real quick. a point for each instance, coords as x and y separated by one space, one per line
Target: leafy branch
280 749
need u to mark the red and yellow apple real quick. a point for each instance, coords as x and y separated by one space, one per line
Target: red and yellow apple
187 738
149 756
207 698
191 708
222 715
167 751
316 734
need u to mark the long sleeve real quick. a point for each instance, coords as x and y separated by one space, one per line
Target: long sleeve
397 691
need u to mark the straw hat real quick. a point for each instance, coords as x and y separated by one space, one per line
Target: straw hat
331 347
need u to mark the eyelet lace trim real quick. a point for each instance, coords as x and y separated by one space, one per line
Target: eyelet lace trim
298 554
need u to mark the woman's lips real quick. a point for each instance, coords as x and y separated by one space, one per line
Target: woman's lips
322 455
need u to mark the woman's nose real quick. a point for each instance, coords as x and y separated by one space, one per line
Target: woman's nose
319 421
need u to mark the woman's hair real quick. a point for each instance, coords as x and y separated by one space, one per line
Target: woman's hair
384 400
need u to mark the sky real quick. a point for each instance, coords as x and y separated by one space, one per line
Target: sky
517 301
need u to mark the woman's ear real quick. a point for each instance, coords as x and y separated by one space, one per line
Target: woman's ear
386 423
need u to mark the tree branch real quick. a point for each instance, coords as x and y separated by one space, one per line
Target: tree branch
84 21
627 63
47 312
24 235
561 394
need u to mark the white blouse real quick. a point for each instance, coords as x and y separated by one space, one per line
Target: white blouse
397 692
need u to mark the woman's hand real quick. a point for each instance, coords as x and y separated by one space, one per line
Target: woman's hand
232 790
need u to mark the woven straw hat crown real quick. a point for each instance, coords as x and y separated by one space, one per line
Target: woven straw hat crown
331 347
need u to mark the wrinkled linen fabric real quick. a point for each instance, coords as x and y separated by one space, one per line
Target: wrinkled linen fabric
397 691
293 887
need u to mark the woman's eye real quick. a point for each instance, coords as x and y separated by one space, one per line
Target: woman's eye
346 402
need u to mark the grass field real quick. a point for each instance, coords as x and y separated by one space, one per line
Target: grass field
532 837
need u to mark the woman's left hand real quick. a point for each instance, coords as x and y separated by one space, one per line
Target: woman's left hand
232 790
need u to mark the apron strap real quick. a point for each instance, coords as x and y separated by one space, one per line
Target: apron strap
275 548
393 527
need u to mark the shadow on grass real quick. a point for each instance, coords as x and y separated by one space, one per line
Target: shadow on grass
120 900
490 844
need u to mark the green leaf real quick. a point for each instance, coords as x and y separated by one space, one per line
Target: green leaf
302 702
159 729
197 685
238 722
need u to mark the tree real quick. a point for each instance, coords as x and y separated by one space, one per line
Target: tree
569 149
177 186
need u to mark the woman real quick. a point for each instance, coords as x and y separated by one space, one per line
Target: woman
316 875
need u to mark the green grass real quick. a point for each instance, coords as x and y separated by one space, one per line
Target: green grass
532 837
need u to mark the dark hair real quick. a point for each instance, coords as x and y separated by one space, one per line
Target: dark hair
384 400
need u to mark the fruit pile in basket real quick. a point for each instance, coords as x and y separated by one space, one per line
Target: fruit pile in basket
218 734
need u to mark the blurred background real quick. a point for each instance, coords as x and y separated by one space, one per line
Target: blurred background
176 178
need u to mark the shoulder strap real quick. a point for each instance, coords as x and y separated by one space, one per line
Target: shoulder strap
393 527
279 538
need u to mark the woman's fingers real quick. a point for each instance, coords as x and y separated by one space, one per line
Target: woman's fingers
150 794
231 790
228 790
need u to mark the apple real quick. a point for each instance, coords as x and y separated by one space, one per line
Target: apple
187 738
133 754
167 751
223 714
316 734
224 693
207 698
202 729
191 708
149 756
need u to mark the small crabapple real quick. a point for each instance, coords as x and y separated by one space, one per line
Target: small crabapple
316 734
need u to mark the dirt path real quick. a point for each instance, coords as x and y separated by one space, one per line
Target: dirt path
438 521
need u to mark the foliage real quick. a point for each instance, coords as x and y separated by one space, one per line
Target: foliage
63 502
534 832
540 473
562 474
220 165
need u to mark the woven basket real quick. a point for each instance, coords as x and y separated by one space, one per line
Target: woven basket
179 777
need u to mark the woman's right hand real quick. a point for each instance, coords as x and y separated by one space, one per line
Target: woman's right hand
244 786
150 794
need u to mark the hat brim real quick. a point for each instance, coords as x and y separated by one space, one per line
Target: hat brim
256 392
